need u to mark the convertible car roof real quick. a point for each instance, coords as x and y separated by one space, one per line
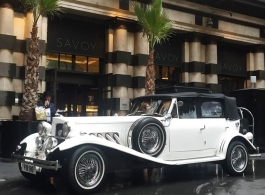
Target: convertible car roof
230 102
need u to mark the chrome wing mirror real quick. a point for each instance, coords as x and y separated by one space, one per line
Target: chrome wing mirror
180 103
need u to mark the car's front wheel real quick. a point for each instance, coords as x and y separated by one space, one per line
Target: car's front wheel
236 159
87 169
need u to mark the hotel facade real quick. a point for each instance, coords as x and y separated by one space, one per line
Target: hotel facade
93 58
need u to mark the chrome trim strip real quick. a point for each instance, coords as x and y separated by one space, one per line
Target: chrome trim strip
101 136
108 137
118 140
54 165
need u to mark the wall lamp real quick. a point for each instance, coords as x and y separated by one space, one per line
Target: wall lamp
209 22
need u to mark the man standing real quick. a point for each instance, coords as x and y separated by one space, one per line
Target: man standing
50 107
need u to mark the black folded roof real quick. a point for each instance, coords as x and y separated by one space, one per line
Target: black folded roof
230 102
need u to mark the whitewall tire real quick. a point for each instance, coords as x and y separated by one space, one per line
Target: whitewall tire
236 159
87 169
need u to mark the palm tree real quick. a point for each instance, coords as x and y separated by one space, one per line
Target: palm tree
157 27
30 98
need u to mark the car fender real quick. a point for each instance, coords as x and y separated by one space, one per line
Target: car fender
30 141
228 138
88 139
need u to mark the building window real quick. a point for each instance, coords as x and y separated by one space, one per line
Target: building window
81 63
72 62
65 62
52 60
93 65
169 73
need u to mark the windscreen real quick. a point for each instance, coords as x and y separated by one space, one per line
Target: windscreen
150 107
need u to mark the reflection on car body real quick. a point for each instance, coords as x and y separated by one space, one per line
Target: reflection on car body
176 129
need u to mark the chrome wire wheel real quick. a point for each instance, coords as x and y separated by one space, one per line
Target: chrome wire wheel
89 169
151 139
239 158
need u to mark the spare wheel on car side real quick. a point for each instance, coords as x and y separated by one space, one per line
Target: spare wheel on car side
148 136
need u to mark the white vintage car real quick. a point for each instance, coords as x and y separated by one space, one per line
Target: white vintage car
160 130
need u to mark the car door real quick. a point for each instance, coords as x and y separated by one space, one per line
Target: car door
214 124
186 138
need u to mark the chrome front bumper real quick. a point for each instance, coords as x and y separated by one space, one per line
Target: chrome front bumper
54 165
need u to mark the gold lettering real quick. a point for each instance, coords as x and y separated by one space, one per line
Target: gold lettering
75 46
67 43
235 67
163 57
170 58
59 43
176 57
84 43
157 56
93 46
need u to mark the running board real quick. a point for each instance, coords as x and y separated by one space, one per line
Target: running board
199 160
255 155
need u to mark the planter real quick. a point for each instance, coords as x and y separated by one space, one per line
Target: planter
12 132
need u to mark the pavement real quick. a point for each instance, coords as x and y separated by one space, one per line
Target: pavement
8 170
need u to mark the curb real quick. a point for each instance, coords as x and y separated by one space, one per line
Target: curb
6 160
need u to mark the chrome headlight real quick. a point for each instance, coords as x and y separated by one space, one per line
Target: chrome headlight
41 128
44 128
18 147
38 142
66 129
52 142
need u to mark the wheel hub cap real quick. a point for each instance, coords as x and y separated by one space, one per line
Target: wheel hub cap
238 158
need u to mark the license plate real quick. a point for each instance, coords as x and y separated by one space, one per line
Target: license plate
28 168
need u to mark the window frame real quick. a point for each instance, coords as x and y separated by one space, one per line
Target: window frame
194 103
202 100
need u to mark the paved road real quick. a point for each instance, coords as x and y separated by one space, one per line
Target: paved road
8 170
198 179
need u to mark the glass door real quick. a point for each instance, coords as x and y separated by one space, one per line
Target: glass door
77 100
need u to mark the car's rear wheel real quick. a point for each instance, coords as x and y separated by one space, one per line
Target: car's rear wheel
236 159
149 136
87 169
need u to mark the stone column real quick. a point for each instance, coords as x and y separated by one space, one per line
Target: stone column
250 67
255 67
130 48
185 60
108 70
193 61
195 56
121 59
8 68
259 67
141 51
44 31
18 56
203 48
211 58
212 69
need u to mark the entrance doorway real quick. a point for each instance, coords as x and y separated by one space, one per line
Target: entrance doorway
77 100
230 83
